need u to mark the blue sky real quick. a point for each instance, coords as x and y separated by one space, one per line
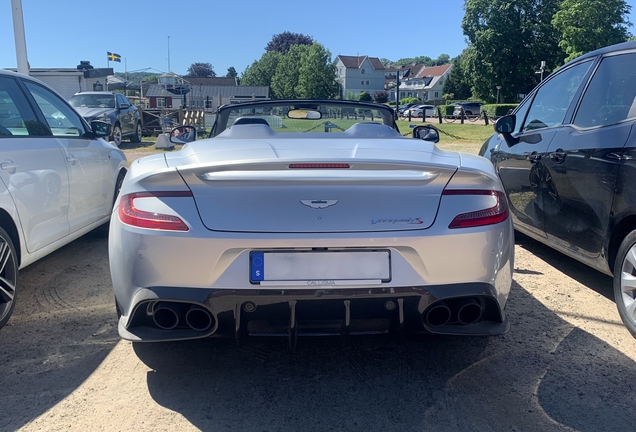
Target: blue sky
226 33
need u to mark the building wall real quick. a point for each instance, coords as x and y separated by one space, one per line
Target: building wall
355 81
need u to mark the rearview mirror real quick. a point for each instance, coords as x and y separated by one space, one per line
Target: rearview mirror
426 133
306 114
100 129
183 134
505 126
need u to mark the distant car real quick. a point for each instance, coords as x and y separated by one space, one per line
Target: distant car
470 108
567 159
301 220
402 109
114 108
420 110
58 177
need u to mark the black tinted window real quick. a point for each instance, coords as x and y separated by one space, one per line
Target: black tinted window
554 97
610 96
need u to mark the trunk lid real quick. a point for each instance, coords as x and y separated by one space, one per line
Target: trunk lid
248 186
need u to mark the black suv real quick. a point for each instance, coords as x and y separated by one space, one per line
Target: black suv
114 108
567 159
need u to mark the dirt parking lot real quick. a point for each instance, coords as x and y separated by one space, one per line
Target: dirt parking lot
566 364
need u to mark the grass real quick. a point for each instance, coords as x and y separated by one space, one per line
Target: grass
467 137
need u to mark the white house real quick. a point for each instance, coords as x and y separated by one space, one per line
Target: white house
426 85
357 74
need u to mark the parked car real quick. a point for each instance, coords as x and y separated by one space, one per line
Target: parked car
114 108
58 177
419 110
404 107
470 108
309 222
566 157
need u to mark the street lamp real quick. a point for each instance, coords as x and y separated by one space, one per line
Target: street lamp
498 88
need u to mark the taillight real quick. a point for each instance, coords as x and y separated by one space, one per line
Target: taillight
130 215
493 215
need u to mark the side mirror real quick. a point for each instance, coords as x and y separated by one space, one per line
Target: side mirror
426 133
124 106
183 134
505 126
100 129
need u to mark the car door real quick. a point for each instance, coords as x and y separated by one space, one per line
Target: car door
87 159
520 164
584 158
126 114
33 169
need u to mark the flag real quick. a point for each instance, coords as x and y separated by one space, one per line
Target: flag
113 57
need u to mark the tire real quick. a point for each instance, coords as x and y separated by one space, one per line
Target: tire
625 282
116 135
8 277
136 137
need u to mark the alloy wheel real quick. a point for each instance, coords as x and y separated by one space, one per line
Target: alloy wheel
117 135
8 279
628 283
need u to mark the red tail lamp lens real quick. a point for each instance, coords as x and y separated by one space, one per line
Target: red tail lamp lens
319 165
493 215
130 215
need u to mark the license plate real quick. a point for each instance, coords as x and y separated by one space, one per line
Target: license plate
324 268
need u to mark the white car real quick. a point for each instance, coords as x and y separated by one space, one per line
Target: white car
58 177
417 111
310 217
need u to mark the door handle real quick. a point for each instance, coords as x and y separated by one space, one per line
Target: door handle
558 156
9 165
533 157
71 159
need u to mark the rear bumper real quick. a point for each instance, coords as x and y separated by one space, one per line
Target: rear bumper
293 313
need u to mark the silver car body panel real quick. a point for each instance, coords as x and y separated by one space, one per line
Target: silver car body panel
246 199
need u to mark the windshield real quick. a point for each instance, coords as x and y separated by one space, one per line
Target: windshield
93 101
303 116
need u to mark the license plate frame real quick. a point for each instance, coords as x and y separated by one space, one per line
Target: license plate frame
320 268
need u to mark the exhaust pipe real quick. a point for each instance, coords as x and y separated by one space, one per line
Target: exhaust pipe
165 316
469 310
438 315
199 318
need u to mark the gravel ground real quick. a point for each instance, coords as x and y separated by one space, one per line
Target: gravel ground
566 364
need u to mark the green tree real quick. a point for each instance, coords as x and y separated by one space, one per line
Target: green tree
231 72
458 82
507 42
201 70
586 25
283 41
261 72
365 97
285 80
316 74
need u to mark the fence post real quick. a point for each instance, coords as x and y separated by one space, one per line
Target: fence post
486 117
439 114
461 114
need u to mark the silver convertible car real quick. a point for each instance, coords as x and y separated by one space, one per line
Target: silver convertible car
310 217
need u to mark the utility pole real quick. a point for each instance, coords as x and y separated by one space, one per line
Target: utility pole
169 55
20 38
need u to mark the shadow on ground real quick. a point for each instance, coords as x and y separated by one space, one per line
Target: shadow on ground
58 335
544 375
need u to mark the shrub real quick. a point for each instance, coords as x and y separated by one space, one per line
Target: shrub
498 110
365 97
447 110
381 96
409 100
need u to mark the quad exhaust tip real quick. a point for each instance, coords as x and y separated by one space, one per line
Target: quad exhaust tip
168 315
465 311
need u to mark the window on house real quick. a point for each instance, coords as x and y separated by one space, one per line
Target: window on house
363 71
367 82
161 102
436 94
361 82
